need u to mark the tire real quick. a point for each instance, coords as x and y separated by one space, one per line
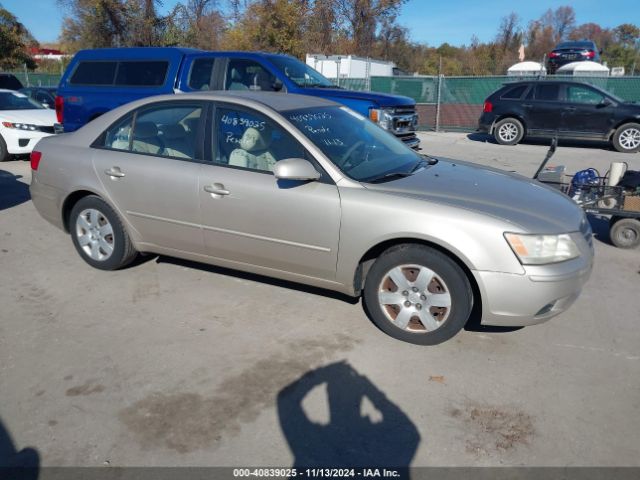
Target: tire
508 131
625 232
444 283
627 138
99 235
4 153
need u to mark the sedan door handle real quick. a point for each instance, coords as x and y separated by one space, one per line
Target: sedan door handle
527 105
570 109
216 189
114 172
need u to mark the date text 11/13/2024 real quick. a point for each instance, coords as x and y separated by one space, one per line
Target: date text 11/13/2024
315 472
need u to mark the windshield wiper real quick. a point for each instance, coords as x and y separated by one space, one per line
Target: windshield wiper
393 175
389 176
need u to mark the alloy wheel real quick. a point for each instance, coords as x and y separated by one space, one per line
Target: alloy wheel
94 234
414 298
630 138
508 132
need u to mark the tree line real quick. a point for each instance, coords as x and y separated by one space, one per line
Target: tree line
367 28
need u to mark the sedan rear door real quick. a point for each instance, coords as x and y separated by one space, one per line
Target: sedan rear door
149 165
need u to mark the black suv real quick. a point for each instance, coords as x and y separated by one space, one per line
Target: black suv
568 52
10 81
566 109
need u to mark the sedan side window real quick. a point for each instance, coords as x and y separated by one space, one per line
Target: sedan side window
251 140
167 131
580 94
118 136
248 75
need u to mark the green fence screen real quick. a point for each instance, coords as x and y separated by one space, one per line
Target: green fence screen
444 103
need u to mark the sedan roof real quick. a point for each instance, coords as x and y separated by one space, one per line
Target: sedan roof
280 102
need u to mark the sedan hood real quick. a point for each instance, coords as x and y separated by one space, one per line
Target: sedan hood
382 99
513 198
36 116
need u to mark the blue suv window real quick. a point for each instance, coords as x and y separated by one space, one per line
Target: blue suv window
142 74
132 74
94 73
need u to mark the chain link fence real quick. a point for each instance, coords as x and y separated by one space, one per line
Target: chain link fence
443 103
30 79
455 103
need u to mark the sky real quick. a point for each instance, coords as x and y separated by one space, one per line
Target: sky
429 21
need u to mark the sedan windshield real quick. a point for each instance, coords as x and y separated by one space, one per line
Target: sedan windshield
358 147
300 73
17 101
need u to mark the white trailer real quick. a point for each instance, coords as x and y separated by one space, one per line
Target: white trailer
349 66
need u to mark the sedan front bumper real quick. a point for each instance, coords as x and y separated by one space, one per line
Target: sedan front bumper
21 142
513 300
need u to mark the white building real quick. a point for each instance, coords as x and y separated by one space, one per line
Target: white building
584 69
526 69
349 66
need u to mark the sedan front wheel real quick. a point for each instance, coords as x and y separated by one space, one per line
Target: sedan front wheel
417 294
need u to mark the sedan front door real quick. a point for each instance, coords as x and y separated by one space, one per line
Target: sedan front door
251 218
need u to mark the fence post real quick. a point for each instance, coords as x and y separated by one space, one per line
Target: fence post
440 78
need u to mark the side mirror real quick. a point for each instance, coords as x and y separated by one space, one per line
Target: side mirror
606 102
46 105
295 169
277 85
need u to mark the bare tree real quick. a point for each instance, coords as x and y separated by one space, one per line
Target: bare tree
362 16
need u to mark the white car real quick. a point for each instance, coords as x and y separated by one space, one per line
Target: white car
23 122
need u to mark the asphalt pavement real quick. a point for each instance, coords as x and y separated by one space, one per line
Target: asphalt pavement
176 363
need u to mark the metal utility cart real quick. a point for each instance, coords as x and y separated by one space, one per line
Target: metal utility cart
620 204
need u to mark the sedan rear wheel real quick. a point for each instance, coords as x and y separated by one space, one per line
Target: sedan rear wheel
627 138
417 294
508 131
99 236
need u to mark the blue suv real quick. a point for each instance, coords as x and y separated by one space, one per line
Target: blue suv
97 81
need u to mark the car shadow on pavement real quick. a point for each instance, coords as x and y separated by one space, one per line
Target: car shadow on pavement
14 464
363 429
258 278
12 191
486 138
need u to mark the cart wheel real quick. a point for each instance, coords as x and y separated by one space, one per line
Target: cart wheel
625 232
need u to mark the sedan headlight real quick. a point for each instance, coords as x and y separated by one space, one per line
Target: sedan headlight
20 126
542 249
